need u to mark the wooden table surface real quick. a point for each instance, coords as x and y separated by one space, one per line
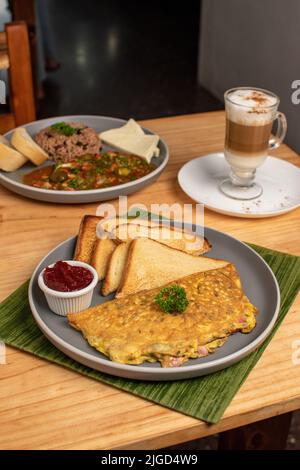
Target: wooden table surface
45 406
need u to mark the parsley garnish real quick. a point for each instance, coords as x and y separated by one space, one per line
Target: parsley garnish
63 128
172 299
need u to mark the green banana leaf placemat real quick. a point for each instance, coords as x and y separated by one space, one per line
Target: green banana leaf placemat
204 398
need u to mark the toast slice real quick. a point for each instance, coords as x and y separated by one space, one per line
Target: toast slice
4 140
86 238
22 141
103 249
173 237
115 269
10 159
107 225
122 229
151 264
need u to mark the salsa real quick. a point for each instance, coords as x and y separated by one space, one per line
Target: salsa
66 278
90 172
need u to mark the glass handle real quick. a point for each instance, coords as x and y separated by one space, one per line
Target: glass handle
277 139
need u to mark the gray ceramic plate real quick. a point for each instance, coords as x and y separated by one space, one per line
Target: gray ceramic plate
259 284
13 180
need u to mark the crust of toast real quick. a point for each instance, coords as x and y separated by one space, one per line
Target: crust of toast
151 264
86 238
201 245
178 239
102 251
109 224
115 268
23 142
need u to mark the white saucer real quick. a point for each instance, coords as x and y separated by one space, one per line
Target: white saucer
280 180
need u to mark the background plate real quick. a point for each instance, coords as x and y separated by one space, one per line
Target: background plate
280 180
13 180
260 286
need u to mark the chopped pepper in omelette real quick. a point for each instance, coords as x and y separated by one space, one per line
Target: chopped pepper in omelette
135 329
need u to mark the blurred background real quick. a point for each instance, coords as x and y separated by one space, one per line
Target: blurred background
159 58
116 58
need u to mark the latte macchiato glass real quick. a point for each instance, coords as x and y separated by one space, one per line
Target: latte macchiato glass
250 114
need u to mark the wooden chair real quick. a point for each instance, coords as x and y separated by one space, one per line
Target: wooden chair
23 11
15 57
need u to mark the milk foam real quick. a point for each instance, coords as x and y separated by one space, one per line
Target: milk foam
251 107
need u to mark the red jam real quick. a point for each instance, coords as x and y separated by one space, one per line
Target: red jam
66 278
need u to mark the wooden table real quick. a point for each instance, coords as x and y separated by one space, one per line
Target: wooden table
44 406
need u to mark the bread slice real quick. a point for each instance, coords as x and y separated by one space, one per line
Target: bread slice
86 238
4 140
107 225
22 141
10 159
115 269
103 249
173 237
150 264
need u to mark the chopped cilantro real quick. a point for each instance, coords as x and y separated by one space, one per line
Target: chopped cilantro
74 183
63 128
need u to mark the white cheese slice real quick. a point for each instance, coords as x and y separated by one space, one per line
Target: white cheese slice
142 146
133 127
131 138
156 152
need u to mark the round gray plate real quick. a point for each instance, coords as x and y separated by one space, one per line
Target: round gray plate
13 180
260 286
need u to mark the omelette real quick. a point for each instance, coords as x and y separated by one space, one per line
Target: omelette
134 329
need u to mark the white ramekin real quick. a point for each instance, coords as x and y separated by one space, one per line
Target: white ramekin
62 303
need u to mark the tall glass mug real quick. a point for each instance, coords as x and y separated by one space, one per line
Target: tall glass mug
250 114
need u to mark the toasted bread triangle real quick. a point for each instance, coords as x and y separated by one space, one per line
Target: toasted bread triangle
150 264
86 238
173 237
122 229
103 249
115 268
